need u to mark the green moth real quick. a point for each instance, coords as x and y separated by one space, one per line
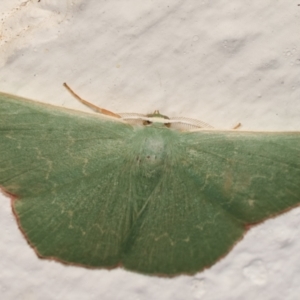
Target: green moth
97 191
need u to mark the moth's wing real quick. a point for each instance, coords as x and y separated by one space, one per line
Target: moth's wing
213 186
251 175
65 172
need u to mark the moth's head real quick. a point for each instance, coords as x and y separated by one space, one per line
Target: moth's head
161 121
156 119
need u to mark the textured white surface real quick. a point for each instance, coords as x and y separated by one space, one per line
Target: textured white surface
219 61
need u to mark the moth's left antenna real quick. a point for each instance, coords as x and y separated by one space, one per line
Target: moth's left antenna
92 106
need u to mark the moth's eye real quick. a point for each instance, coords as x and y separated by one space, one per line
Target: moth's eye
146 123
167 125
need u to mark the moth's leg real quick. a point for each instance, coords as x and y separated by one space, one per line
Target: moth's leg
90 105
237 126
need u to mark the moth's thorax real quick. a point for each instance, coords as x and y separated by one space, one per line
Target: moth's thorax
155 142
